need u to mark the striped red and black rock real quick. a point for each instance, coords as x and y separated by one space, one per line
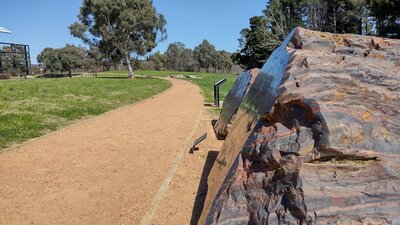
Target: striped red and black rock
232 102
317 138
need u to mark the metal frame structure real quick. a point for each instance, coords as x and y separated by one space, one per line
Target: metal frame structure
15 50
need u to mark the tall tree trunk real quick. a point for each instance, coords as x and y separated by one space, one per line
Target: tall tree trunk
130 70
334 16
331 16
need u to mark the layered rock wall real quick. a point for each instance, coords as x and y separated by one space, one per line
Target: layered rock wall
317 138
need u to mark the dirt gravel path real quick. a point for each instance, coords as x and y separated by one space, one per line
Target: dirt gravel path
183 202
106 170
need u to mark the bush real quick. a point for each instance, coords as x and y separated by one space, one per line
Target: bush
4 76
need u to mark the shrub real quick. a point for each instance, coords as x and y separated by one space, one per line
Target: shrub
4 76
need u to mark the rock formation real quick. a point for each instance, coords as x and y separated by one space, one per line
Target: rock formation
317 138
232 102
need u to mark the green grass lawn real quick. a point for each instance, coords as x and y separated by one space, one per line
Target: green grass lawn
30 108
204 80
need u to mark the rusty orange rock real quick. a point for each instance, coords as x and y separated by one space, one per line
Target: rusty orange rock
316 140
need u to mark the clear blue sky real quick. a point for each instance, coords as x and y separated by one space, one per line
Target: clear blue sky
44 23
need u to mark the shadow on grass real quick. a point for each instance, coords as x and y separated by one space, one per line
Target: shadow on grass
125 77
203 187
53 75
112 77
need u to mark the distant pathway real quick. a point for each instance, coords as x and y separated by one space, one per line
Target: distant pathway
111 169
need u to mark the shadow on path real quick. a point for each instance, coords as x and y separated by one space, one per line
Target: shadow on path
202 189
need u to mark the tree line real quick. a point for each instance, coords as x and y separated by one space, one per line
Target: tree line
203 57
266 32
177 57
120 29
63 59
71 57
126 32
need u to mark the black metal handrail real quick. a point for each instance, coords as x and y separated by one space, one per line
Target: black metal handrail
216 91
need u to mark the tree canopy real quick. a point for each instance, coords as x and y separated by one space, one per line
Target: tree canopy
120 28
63 59
208 57
372 17
203 57
254 43
49 58
159 61
179 58
205 54
386 16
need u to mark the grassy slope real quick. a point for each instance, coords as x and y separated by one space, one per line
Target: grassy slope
30 108
204 80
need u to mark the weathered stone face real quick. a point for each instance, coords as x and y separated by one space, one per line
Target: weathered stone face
232 102
317 138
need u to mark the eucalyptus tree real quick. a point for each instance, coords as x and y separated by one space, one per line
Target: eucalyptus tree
206 55
49 57
63 59
179 58
120 28
72 57
256 44
386 16
159 61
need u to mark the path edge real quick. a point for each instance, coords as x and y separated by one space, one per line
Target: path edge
82 121
185 144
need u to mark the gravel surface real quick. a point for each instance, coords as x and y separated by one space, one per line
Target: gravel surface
108 170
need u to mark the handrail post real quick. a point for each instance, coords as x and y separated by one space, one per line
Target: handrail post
216 91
